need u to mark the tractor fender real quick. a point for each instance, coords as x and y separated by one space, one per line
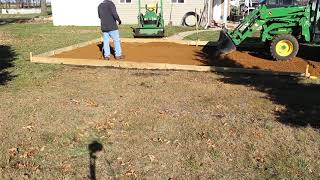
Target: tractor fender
184 23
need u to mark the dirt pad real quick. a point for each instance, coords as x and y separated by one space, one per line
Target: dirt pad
173 53
253 61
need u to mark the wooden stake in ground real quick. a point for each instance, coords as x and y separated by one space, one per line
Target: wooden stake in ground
307 74
170 18
197 28
31 56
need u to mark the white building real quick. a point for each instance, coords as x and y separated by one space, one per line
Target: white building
84 12
21 11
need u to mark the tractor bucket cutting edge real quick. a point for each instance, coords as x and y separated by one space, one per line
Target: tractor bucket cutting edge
148 32
225 43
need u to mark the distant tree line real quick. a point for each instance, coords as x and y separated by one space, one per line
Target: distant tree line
302 2
8 4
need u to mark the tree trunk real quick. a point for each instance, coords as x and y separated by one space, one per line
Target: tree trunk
44 7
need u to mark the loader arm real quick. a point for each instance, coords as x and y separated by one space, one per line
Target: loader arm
273 21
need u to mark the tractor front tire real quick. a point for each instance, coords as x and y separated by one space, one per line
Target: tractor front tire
284 47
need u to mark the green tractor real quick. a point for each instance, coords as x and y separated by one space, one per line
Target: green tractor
283 27
151 23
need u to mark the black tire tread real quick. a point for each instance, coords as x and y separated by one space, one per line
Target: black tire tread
184 23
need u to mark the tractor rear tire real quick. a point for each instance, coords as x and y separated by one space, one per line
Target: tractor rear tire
284 47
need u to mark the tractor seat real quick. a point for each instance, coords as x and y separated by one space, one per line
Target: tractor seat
151 7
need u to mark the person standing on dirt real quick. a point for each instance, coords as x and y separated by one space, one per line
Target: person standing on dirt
109 17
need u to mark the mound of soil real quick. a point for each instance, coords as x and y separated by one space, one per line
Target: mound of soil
173 53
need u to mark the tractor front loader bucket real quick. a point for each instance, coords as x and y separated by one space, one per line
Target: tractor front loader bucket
225 44
148 32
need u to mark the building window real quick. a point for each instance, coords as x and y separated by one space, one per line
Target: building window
125 1
177 1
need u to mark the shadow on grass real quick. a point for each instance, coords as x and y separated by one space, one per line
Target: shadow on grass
301 100
7 56
93 148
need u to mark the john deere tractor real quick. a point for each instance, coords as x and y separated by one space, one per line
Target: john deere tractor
150 23
283 27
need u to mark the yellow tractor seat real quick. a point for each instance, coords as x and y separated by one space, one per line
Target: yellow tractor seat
151 7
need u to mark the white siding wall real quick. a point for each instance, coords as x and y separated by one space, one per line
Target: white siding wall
21 11
179 10
129 12
84 12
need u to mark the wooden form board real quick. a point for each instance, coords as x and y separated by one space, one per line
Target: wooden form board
129 40
45 58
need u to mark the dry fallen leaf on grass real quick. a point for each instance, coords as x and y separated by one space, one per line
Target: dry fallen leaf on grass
30 153
13 152
26 165
20 165
165 111
131 173
104 126
74 101
158 140
42 149
152 158
259 159
66 168
29 127
279 109
91 103
210 143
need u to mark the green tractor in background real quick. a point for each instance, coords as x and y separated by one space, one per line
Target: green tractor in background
151 23
281 26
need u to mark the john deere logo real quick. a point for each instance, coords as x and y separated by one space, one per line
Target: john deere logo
270 13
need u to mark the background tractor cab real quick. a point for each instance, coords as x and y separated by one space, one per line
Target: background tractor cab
151 14
150 22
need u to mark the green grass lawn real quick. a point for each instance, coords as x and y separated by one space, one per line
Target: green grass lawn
204 36
18 16
151 124
39 38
